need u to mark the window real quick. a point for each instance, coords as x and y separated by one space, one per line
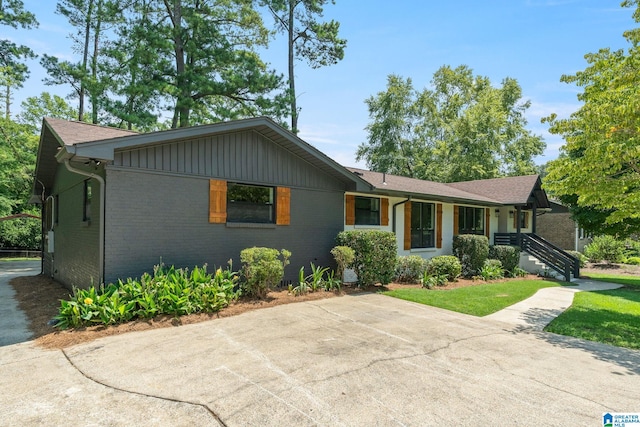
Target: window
250 203
49 208
86 215
56 209
422 225
367 210
470 220
524 220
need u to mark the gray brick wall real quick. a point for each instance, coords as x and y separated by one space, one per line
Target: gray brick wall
74 261
558 228
154 216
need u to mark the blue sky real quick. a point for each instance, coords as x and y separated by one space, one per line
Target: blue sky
533 41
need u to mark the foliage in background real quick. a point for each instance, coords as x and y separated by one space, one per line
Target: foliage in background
462 128
409 269
509 256
472 250
445 265
598 166
168 291
605 248
375 254
13 56
262 270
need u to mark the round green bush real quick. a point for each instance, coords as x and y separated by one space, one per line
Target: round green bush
509 256
448 265
410 269
605 248
634 260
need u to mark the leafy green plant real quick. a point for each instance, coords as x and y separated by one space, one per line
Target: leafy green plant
167 291
316 278
447 265
262 269
605 248
344 257
519 272
431 280
492 270
303 286
508 255
472 250
409 269
634 260
332 282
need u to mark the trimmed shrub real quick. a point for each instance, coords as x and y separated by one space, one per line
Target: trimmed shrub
509 256
579 256
492 270
472 250
605 248
344 256
445 265
375 254
409 269
429 281
262 269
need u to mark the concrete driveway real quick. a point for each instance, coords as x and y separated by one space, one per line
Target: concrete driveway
366 360
14 327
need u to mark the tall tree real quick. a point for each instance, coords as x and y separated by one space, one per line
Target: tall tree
91 19
12 55
202 53
307 38
461 129
599 167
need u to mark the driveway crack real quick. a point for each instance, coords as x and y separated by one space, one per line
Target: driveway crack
168 399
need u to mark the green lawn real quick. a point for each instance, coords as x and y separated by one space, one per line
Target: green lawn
479 300
20 259
611 317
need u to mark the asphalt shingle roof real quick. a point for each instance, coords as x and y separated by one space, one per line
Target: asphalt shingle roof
73 132
500 191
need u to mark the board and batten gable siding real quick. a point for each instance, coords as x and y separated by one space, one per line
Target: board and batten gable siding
74 261
155 216
246 157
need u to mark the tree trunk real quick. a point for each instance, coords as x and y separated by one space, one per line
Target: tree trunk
85 56
181 117
94 64
292 83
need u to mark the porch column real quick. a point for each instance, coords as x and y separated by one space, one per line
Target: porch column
518 225
533 220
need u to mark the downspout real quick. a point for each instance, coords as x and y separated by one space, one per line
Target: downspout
102 206
393 212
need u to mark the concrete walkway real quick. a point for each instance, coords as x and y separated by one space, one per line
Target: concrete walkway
14 327
350 361
538 311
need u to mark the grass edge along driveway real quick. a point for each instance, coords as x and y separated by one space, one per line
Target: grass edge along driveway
479 300
610 317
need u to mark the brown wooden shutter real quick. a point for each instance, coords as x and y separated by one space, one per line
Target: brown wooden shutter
487 223
407 226
439 225
515 220
283 206
456 212
350 209
217 201
526 220
384 211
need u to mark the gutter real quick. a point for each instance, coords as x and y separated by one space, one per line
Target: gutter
102 215
393 212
